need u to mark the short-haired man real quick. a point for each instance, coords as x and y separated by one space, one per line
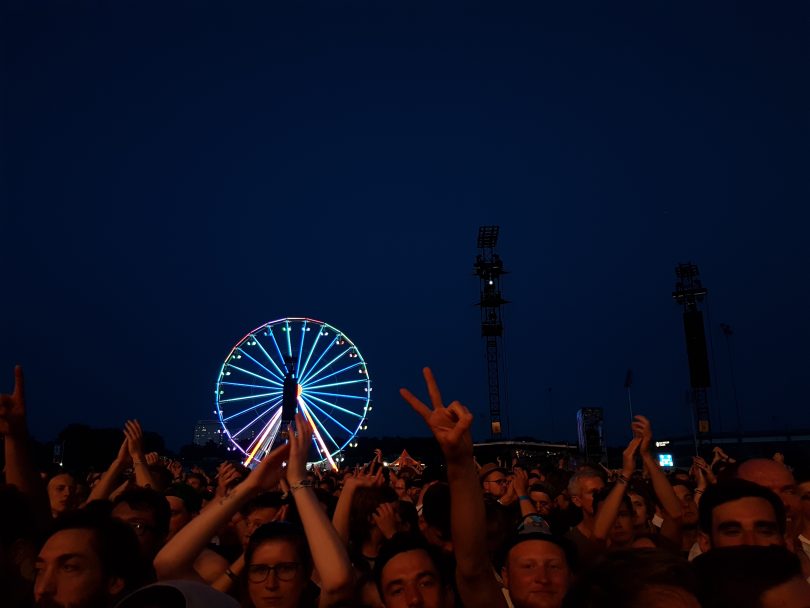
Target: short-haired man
494 480
536 569
737 512
147 512
777 478
582 487
409 572
89 561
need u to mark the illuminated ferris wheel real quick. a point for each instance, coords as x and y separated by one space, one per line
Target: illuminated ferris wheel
290 365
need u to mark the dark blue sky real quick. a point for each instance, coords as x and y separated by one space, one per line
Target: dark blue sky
174 177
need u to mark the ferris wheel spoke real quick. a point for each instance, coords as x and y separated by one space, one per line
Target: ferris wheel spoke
303 378
322 445
314 375
345 382
311 414
264 367
261 443
337 407
332 418
270 359
302 371
245 398
301 347
278 350
249 424
340 371
322 394
236 367
248 385
289 345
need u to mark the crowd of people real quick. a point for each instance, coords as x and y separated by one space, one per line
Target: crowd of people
147 532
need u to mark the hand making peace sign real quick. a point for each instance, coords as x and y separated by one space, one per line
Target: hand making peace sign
449 425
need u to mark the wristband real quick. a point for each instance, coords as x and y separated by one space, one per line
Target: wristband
523 498
304 483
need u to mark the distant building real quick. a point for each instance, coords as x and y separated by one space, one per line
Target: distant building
208 430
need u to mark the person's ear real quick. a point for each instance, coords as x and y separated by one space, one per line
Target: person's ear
704 542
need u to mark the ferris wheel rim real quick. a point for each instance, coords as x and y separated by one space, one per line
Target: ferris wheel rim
310 401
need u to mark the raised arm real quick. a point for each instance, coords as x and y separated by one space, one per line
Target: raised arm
609 509
340 518
106 485
20 471
329 555
663 489
450 426
176 558
134 433
521 485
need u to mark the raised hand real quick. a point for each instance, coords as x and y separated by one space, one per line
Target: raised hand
12 408
449 425
361 479
123 451
266 476
134 433
386 518
226 475
152 458
642 428
521 482
629 456
703 472
300 438
176 469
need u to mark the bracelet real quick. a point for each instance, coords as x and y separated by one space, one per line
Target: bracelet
231 575
698 491
523 498
622 479
304 483
137 462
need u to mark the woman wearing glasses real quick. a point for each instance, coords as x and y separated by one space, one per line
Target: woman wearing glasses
281 559
278 569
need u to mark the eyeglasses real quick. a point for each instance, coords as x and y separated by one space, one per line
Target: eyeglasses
500 482
285 571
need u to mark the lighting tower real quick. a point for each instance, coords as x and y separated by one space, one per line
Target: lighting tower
489 268
689 292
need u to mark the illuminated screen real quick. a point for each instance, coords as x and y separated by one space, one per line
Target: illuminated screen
665 460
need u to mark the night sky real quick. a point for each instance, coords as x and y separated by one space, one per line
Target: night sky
173 177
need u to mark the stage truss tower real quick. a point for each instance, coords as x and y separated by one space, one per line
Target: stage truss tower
489 268
689 293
